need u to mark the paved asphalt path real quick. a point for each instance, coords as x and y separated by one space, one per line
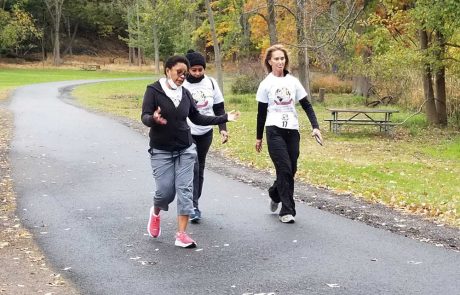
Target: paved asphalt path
84 189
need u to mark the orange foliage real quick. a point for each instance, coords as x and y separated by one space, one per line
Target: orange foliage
396 19
285 23
332 84
259 31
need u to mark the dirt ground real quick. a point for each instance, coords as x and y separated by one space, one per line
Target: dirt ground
24 269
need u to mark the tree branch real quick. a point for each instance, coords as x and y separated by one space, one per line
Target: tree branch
452 58
452 45
262 16
346 23
288 9
49 10
255 10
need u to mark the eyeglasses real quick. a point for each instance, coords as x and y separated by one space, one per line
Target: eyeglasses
181 73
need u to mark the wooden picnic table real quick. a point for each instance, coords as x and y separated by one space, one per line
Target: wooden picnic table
86 67
373 117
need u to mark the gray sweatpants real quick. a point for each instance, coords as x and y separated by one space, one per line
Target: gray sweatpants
173 173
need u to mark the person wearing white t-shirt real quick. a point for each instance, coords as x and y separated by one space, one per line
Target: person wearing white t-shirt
276 96
210 102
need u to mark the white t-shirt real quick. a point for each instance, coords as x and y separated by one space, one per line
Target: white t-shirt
174 94
206 94
281 94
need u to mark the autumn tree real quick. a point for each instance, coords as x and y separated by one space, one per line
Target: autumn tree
439 22
271 20
312 23
217 56
17 30
221 31
414 34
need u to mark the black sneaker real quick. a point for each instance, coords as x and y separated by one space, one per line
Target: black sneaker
195 217
273 206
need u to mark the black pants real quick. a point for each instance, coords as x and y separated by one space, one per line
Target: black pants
283 147
203 142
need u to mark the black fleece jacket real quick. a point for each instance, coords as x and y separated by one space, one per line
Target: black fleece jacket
175 135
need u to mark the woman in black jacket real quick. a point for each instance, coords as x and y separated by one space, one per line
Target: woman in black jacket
165 108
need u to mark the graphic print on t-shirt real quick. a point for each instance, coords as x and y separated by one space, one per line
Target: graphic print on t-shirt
205 94
283 96
200 98
284 120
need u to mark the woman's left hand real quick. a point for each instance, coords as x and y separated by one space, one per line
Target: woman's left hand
258 145
233 116
224 135
316 133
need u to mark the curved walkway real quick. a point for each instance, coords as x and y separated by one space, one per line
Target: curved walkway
84 189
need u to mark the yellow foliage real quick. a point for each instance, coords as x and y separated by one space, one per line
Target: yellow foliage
285 24
259 31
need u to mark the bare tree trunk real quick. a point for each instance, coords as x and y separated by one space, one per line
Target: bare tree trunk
134 54
218 58
272 22
131 53
156 48
440 82
69 34
57 45
304 72
130 56
156 43
69 48
55 10
362 84
431 113
139 50
141 56
440 102
246 35
42 41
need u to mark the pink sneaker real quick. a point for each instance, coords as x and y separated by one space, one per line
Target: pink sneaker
153 227
184 241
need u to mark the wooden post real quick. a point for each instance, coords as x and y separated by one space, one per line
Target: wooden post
322 91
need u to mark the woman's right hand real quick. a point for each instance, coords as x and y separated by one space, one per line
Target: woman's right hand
157 118
233 116
258 145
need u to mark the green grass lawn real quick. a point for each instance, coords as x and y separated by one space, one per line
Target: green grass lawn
416 169
11 78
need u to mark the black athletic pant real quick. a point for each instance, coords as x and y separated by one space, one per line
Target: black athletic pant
283 147
203 142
